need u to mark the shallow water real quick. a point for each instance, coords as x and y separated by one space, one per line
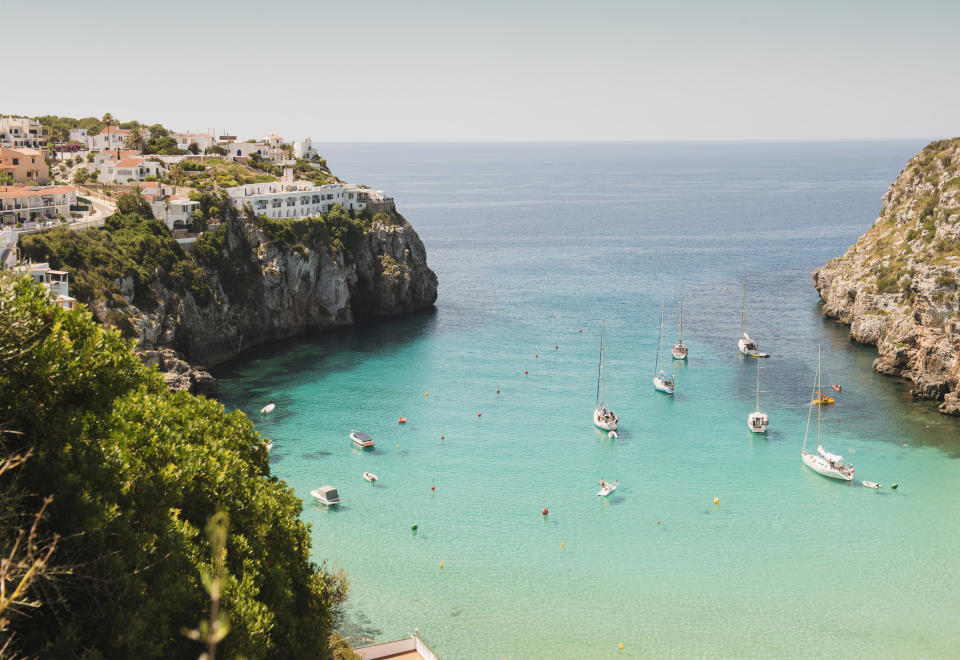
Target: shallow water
533 243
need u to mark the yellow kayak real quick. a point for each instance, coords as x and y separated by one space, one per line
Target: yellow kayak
823 399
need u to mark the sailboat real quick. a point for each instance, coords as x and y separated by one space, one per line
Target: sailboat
823 462
680 349
660 381
746 345
757 421
605 419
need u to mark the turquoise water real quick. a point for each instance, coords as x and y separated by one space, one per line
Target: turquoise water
533 243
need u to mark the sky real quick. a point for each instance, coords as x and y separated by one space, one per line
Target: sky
377 70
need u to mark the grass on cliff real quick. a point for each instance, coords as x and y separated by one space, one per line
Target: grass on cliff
131 244
337 229
213 173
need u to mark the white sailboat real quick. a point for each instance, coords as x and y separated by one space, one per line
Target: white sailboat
758 421
746 345
660 381
680 349
823 462
605 419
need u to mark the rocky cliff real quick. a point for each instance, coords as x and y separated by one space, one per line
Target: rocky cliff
897 286
266 284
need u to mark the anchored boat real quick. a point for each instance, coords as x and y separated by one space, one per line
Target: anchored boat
602 417
746 345
326 495
758 421
660 381
680 349
823 462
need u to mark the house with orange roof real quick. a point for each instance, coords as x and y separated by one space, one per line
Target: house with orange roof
133 168
25 164
25 204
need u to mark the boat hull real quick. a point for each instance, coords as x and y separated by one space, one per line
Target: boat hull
606 425
680 352
822 466
662 386
758 422
606 490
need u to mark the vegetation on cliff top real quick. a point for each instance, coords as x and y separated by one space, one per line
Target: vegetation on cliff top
135 473
918 227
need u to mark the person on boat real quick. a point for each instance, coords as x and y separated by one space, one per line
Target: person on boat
603 483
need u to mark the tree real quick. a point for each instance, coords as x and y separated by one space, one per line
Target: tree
6 179
216 150
108 119
134 140
136 473
133 202
194 148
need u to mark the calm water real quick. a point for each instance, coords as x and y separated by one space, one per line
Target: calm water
533 244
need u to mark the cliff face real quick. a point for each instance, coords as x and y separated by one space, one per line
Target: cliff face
265 288
897 285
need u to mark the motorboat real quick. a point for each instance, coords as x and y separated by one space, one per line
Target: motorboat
602 417
369 476
361 439
823 462
606 487
268 408
326 495
871 484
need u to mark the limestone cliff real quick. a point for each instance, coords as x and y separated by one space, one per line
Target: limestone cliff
897 285
266 285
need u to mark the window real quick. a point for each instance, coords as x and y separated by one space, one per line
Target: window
16 161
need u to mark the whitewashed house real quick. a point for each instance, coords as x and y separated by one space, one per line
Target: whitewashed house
114 137
301 199
136 168
272 140
304 149
245 149
56 282
202 140
21 132
28 204
80 135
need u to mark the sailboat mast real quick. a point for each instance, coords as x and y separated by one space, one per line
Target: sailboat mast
681 310
810 407
819 407
601 387
659 342
743 305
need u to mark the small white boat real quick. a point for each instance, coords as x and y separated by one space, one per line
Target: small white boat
680 350
606 487
603 418
871 484
660 381
326 495
369 476
757 421
269 446
268 408
823 462
361 439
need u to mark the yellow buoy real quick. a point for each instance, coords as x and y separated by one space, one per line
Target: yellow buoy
621 646
562 544
441 564
426 394
398 446
716 500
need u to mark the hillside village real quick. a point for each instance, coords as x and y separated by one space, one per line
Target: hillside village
58 171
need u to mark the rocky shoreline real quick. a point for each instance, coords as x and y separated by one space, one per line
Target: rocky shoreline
897 286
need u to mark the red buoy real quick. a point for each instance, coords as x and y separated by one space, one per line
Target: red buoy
402 420
441 437
498 391
557 347
433 487
524 372
581 332
479 415
537 355
544 512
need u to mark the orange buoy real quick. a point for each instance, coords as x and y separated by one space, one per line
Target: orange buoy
402 420
545 511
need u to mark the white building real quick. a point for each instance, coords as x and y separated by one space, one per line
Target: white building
80 135
272 140
301 199
304 149
26 204
136 168
245 149
202 140
113 155
167 205
21 132
57 282
114 137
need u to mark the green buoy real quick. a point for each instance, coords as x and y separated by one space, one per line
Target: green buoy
413 527
894 486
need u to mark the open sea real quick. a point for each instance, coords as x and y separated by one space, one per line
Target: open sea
534 245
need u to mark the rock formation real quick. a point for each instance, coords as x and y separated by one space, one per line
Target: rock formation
897 286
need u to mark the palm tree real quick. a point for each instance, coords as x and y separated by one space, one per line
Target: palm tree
134 140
